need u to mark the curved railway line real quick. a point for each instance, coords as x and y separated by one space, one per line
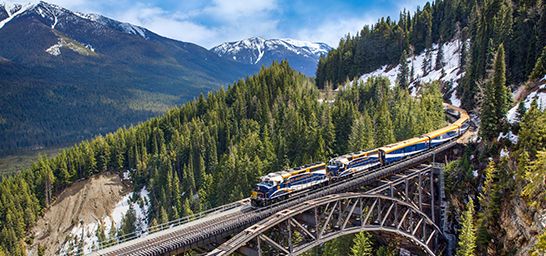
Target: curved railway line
217 224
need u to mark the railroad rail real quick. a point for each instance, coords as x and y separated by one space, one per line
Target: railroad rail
204 232
217 227
405 206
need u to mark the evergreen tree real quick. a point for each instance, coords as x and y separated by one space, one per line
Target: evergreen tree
100 233
360 138
128 222
113 230
489 200
467 234
427 62
403 74
502 92
187 208
163 216
496 100
439 64
532 134
539 69
535 189
383 126
362 245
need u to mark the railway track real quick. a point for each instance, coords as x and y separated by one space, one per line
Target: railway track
217 226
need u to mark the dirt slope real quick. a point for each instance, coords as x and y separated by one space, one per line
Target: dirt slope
88 201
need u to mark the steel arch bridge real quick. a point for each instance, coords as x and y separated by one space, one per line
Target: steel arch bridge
405 207
405 188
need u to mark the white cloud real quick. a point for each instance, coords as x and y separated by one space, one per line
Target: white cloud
211 22
210 25
332 30
237 9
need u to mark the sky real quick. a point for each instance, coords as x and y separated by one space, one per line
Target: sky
212 22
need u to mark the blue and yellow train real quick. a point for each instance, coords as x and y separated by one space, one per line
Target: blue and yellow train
278 186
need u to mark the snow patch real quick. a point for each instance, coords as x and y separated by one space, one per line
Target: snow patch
55 49
510 136
504 153
450 73
14 9
539 95
114 220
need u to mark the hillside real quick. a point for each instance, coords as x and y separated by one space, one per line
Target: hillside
188 157
67 76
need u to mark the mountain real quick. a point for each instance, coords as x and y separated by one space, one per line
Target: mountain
66 76
301 55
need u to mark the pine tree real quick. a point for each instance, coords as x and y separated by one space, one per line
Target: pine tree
383 126
489 201
362 245
502 92
153 225
467 234
128 222
113 230
539 70
163 215
427 62
187 208
359 138
532 134
496 100
100 234
535 173
439 57
403 74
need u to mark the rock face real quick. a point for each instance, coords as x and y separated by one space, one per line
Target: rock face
521 225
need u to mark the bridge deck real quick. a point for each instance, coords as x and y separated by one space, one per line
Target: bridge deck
218 226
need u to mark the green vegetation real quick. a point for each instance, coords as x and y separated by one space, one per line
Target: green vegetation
497 99
384 42
519 25
362 245
189 157
467 237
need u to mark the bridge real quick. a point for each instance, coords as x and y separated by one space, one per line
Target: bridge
402 201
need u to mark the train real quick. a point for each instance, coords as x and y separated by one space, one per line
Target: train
278 186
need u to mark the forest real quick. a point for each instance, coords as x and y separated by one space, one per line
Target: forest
278 118
520 25
188 156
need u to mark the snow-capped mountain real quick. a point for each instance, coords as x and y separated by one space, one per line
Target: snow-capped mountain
92 74
54 15
301 55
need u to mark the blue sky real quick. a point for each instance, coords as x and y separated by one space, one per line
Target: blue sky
211 22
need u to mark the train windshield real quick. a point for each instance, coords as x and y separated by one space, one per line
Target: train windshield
267 183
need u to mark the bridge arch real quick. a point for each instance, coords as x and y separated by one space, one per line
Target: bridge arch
296 230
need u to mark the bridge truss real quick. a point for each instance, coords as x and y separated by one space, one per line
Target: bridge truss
404 206
401 185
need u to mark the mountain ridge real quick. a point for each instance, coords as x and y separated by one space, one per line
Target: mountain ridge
68 76
260 51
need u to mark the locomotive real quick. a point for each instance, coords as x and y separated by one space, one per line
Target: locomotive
278 186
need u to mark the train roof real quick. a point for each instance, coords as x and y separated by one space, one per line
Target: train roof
442 130
402 144
300 169
463 115
357 154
